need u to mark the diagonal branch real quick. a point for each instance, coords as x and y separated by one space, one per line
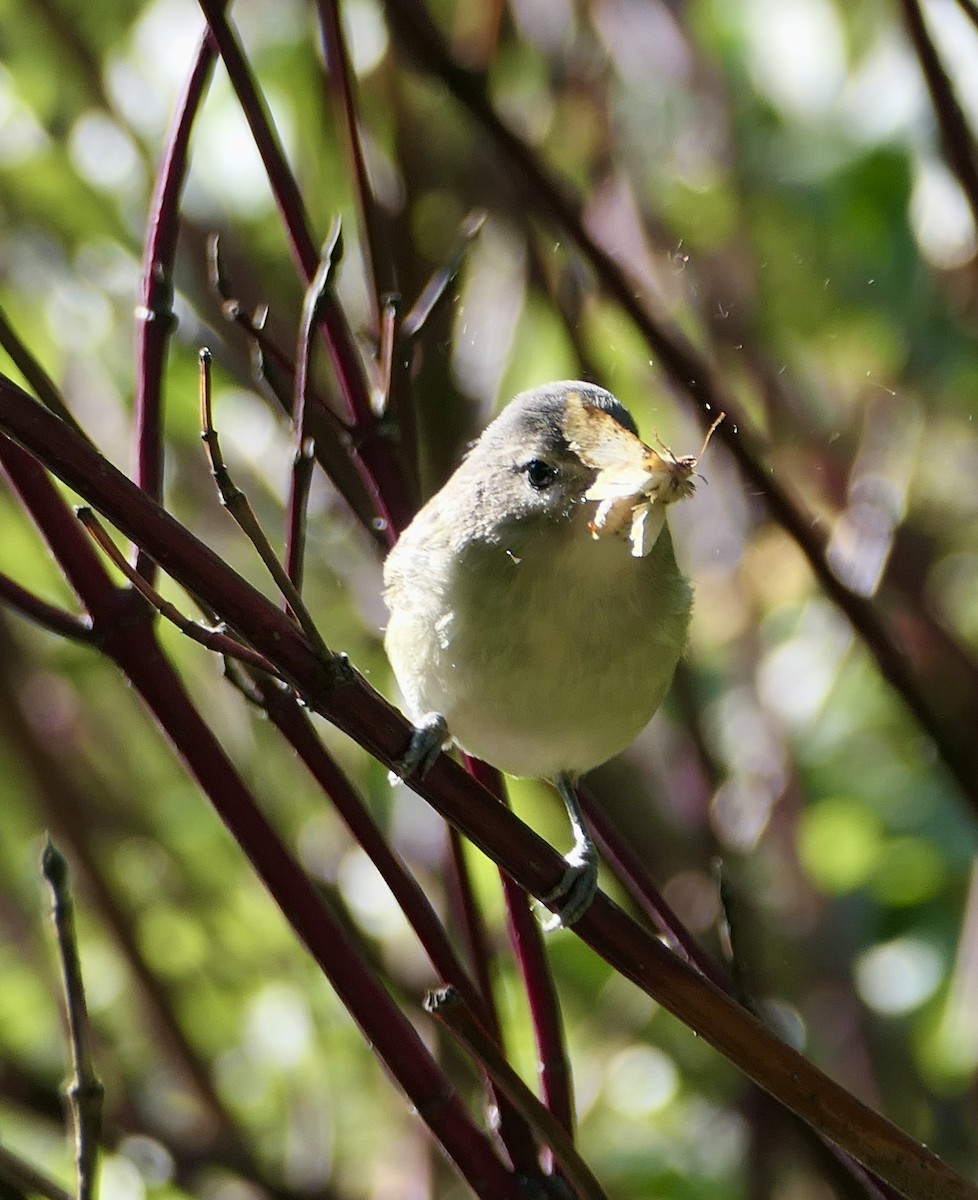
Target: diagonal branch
132 646
344 698
692 373
526 937
448 1007
42 383
375 450
340 75
156 320
959 144
48 616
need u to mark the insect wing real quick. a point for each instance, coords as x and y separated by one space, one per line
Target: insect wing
648 521
599 441
620 484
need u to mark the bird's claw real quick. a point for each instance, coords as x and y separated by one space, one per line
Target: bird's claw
427 742
574 893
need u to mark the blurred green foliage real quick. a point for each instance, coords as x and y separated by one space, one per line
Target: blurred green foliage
771 175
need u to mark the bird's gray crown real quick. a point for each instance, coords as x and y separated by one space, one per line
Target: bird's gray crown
538 414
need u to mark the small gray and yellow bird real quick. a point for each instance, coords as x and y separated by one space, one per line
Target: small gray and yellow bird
536 610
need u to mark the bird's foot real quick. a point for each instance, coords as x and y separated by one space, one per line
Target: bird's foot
427 742
574 893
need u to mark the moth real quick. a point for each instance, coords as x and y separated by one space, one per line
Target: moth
635 484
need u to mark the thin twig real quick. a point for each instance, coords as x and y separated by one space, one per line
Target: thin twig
392 386
340 77
132 646
471 921
44 386
526 938
276 369
691 372
289 201
23 1179
448 1008
389 328
48 616
318 296
233 310
959 144
382 472
633 873
155 316
211 639
303 462
436 289
344 699
400 336
85 1091
239 507
66 806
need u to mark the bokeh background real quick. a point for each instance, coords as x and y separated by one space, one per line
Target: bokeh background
773 176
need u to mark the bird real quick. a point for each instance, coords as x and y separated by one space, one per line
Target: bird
536 609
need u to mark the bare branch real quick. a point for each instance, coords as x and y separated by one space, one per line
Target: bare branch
448 1008
212 639
959 143
692 373
48 616
85 1091
26 1180
239 507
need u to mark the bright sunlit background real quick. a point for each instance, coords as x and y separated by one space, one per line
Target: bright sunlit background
771 175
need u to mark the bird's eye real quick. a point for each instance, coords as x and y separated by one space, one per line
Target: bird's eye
540 474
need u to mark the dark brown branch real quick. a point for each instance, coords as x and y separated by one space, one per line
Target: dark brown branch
692 373
318 296
382 470
296 727
48 616
239 508
448 1007
344 699
340 75
132 646
634 876
959 145
35 374
372 451
526 936
276 369
210 639
156 320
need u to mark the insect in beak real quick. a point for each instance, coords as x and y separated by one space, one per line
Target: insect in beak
635 484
